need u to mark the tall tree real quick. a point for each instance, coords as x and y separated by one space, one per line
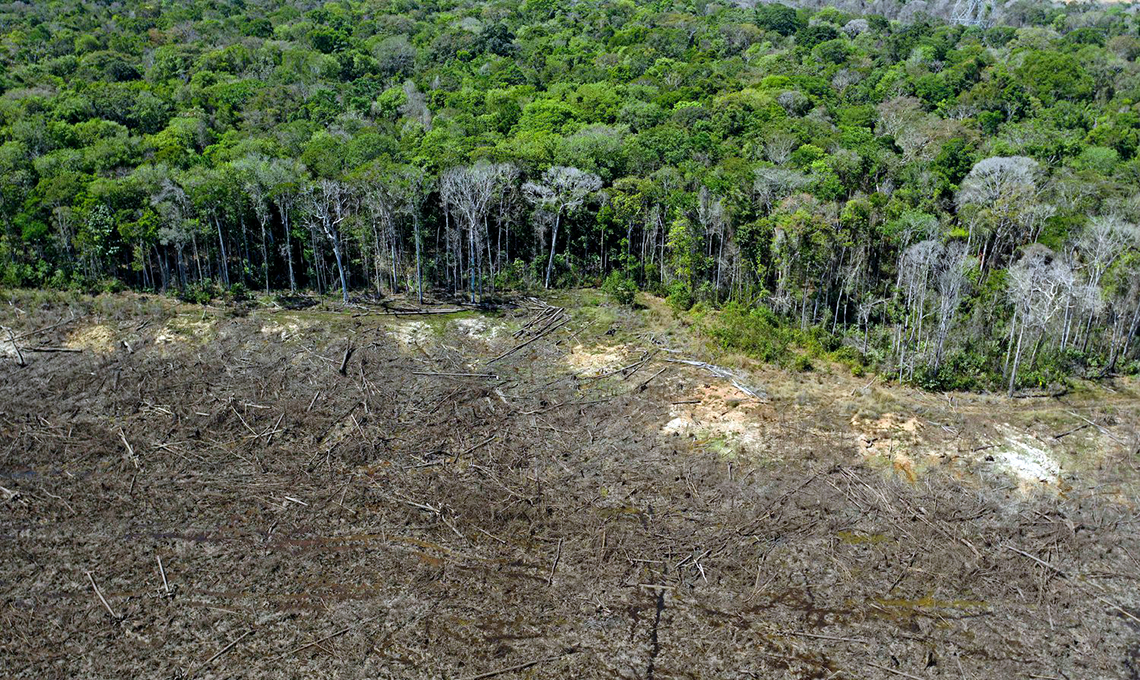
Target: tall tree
561 191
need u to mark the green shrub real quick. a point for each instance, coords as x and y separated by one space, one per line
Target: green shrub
238 292
620 288
680 297
515 276
756 332
200 293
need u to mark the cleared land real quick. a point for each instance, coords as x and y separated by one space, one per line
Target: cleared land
542 490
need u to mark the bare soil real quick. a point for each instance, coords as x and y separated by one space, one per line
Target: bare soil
204 492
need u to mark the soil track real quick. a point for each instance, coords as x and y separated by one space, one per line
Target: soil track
275 494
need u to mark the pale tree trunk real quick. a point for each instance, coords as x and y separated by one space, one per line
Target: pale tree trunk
222 249
289 250
340 267
1016 361
419 270
265 257
553 243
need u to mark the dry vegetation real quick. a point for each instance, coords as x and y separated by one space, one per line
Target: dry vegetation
259 492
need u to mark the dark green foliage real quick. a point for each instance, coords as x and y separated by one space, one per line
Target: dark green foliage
781 162
810 36
620 288
779 18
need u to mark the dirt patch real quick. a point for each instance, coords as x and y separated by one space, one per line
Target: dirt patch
184 329
98 338
479 327
415 517
597 360
890 438
410 333
724 418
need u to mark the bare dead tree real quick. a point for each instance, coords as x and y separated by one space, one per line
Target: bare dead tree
328 204
1003 194
561 191
952 283
468 192
916 273
774 184
1037 286
714 224
779 146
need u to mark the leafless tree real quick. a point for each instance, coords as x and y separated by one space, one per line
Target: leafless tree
794 102
177 228
468 192
916 273
561 191
415 105
1103 240
856 27
411 187
898 114
952 283
714 223
775 184
1037 287
779 147
1004 194
327 203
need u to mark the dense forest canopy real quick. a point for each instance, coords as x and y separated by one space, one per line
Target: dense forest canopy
956 204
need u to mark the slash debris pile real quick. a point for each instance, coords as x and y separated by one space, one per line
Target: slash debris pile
193 496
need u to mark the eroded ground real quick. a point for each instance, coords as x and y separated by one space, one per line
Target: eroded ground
259 492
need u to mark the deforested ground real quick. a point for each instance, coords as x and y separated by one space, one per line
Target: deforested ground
542 489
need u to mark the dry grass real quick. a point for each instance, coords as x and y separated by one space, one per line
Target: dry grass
405 520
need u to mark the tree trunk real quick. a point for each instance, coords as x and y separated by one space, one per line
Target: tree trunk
419 270
222 249
553 242
340 267
1016 361
289 250
265 257
1132 331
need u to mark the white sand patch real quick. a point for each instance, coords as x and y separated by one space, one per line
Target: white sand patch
410 333
594 361
98 338
1025 458
182 329
284 329
478 327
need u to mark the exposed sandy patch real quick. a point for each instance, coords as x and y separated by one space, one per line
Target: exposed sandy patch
594 361
478 327
184 329
410 333
891 438
1026 459
889 431
97 338
723 413
285 329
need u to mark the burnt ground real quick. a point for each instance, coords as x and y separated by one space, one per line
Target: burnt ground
248 509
